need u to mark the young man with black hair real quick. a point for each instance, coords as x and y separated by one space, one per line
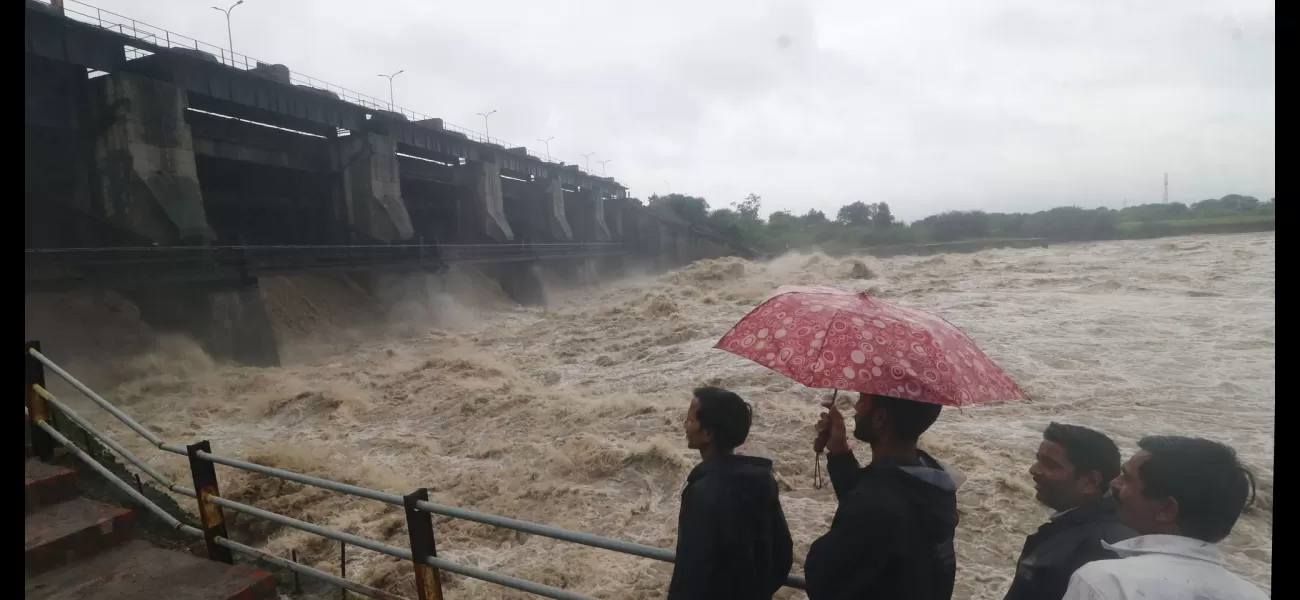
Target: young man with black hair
732 538
1183 496
892 535
1072 472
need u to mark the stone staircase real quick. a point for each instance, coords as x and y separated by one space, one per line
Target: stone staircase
81 549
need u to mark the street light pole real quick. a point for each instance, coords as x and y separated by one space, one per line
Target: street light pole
487 132
230 39
669 186
547 141
602 166
588 157
391 104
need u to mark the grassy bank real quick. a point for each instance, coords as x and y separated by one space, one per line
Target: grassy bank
1228 224
1124 231
957 247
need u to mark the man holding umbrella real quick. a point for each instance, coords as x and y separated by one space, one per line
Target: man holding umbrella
892 535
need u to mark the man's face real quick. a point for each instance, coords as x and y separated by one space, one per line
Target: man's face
865 427
696 436
1058 483
1144 515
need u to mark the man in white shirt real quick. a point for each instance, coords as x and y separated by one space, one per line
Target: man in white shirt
1182 495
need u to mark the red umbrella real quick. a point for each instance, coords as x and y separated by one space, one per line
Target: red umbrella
828 338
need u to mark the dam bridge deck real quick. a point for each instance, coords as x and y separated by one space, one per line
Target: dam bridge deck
53 269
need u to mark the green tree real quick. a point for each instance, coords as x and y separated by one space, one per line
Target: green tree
881 217
857 214
817 217
686 208
749 207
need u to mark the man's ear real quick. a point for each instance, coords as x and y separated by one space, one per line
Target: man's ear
1166 510
1091 483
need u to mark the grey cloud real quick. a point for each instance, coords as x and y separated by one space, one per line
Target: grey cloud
941 105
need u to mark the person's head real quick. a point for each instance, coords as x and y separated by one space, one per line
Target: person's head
886 418
717 421
1074 466
1182 486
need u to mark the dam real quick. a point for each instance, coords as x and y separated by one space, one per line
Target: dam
178 173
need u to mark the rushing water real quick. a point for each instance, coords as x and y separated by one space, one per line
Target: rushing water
571 415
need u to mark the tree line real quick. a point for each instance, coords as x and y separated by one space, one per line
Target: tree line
861 224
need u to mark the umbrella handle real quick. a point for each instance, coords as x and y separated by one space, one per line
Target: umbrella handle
823 437
817 472
819 446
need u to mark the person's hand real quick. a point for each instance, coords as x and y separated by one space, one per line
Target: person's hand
831 428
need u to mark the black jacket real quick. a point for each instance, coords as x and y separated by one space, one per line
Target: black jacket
732 539
892 535
1061 546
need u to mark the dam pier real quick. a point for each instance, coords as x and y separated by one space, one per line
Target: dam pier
178 173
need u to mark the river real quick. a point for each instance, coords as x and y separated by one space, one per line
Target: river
571 415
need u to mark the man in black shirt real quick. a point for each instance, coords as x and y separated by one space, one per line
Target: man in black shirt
1072 474
732 538
892 535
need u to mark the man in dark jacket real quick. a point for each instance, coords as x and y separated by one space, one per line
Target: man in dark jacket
1072 473
892 535
732 538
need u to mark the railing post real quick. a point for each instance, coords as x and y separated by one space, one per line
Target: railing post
428 581
37 409
211 517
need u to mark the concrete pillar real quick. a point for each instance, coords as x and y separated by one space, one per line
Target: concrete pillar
372 186
599 231
522 282
586 210
553 198
145 157
615 220
483 179
229 320
241 328
590 271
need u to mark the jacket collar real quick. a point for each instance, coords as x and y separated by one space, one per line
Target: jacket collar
1086 512
922 460
1173 545
724 462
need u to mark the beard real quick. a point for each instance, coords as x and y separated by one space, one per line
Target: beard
862 427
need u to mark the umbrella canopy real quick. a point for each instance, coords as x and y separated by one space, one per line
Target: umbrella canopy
828 338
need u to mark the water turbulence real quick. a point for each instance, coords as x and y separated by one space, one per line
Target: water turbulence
570 415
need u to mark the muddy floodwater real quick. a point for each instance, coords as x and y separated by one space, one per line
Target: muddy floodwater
571 415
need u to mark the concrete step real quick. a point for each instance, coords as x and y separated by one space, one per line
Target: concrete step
46 485
76 529
141 570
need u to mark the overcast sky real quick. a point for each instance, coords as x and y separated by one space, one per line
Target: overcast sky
929 105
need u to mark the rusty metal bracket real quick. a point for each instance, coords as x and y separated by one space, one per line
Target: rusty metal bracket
428 580
211 517
37 410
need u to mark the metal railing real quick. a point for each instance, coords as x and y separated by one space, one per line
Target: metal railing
162 38
417 506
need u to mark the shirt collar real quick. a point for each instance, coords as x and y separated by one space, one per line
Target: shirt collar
1174 545
1059 514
